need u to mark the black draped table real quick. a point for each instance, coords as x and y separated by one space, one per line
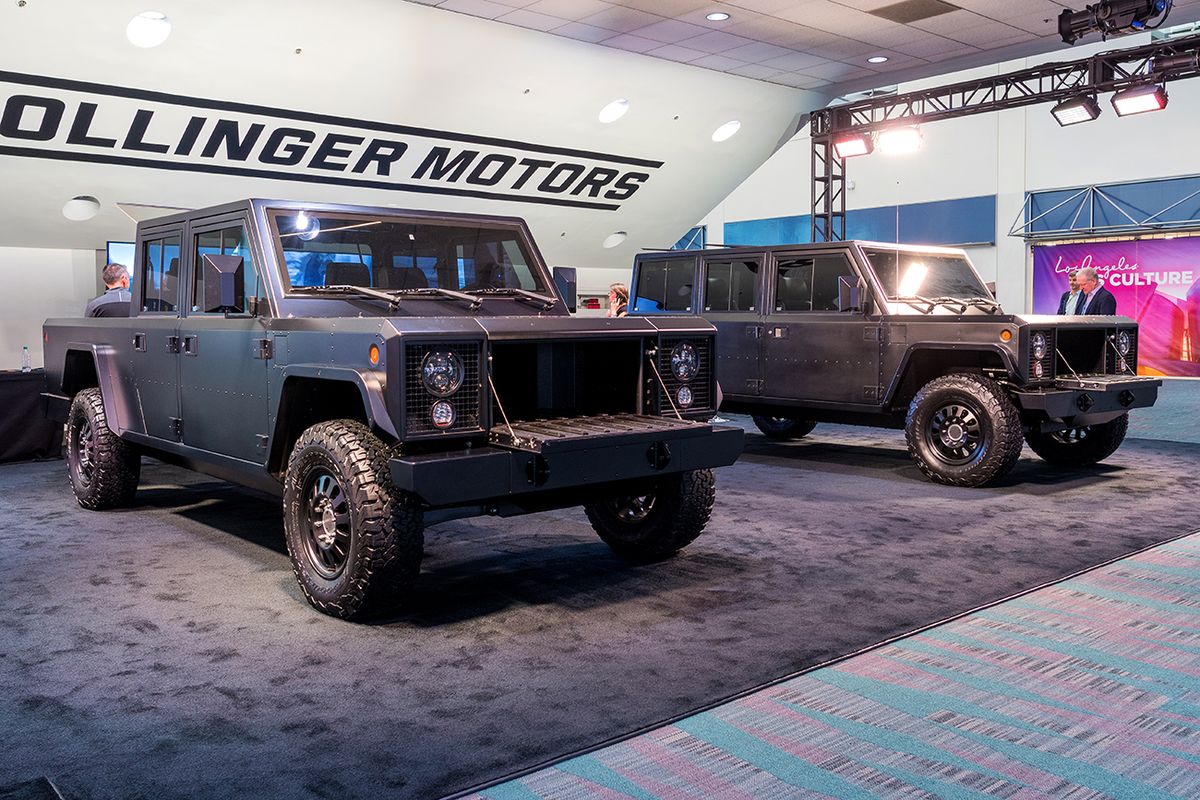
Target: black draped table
25 432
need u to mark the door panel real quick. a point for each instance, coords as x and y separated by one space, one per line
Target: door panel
222 368
811 351
155 333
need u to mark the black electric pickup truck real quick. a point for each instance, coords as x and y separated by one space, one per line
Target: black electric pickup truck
903 337
382 370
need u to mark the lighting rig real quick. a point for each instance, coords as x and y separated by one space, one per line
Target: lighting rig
1137 77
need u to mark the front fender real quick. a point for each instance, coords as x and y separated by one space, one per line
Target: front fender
369 383
1006 359
119 409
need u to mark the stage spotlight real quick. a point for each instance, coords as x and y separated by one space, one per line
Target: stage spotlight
1112 17
1140 100
900 140
1076 110
855 144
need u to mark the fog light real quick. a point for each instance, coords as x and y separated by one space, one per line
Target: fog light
1038 371
442 414
684 397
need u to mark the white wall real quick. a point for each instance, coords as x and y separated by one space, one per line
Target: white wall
40 283
1005 153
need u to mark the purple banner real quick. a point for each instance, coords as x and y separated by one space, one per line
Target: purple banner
1155 281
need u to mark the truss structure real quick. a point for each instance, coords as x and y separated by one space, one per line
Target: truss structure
1157 62
1091 211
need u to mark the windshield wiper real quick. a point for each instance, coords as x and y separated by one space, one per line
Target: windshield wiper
950 302
913 300
547 302
392 298
988 305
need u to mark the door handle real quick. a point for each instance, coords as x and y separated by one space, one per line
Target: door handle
191 345
139 342
754 331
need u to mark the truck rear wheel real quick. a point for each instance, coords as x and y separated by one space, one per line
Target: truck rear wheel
1078 447
355 540
104 469
655 519
783 428
963 430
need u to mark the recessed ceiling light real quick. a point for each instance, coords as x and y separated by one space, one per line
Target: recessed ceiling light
148 29
877 60
80 208
726 131
613 111
614 239
717 16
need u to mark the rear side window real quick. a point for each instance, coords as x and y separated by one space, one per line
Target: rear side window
160 274
731 286
810 283
664 285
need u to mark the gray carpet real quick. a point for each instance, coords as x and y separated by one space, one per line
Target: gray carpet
165 651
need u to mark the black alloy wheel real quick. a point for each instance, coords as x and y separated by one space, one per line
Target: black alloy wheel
328 539
654 519
783 428
1081 446
104 469
955 433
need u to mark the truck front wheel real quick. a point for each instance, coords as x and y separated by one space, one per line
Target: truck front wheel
655 519
355 540
104 469
1078 447
963 430
783 428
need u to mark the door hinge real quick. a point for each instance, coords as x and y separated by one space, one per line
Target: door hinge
176 427
262 348
754 331
754 385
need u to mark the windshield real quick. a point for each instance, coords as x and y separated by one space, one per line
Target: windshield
926 275
333 249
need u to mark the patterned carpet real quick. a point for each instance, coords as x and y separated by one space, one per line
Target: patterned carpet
1088 688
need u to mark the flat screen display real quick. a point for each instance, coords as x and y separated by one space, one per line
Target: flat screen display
120 253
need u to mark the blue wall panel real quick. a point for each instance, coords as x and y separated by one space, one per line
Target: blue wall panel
969 220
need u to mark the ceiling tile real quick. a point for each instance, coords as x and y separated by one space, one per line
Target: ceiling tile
637 44
478 8
779 32
670 31
945 24
585 33
716 42
757 71
623 20
759 51
717 62
838 71
845 49
760 6
531 19
800 81
665 8
676 53
794 62
927 45
989 34
568 9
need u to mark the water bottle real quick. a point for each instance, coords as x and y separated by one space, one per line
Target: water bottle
26 364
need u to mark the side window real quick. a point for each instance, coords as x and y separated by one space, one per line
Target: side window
664 285
810 283
230 241
160 274
731 286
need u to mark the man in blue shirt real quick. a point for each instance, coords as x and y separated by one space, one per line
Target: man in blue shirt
1069 302
115 301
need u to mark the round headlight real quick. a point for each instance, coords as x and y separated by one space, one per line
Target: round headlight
442 373
1038 371
1039 346
1124 341
684 397
442 414
684 361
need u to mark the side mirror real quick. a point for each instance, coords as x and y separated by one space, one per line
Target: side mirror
224 287
849 294
566 280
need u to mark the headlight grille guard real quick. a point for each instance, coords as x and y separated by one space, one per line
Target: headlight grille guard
702 385
467 402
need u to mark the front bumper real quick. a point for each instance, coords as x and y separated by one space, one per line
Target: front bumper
503 471
1089 398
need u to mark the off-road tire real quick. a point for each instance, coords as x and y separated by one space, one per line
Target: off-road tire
1079 447
382 535
783 428
674 511
975 408
103 468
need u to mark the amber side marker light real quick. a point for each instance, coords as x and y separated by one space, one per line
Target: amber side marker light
373 355
1005 335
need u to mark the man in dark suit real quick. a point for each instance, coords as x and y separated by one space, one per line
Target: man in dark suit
1096 299
1069 302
